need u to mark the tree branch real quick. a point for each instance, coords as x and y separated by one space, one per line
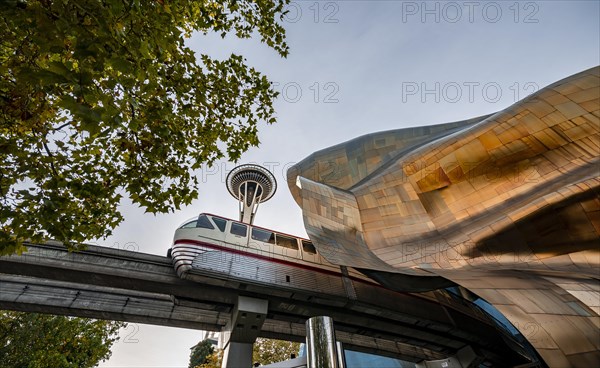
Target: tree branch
52 157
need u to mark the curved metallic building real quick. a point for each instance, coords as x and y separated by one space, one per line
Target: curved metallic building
506 205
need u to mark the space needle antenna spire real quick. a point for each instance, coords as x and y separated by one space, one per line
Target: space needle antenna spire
251 185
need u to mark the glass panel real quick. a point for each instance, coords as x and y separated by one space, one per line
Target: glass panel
189 225
287 242
263 235
238 229
220 223
204 222
308 247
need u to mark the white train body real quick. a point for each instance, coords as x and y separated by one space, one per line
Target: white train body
213 247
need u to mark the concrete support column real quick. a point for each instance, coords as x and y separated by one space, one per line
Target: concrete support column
238 337
321 351
237 354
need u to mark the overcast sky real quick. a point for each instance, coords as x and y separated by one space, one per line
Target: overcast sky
358 67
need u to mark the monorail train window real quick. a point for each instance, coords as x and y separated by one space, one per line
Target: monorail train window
220 223
308 247
191 224
238 229
263 235
204 222
287 242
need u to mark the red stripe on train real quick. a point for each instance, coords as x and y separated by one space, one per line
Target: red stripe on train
258 256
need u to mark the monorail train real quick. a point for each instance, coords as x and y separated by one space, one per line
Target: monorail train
217 247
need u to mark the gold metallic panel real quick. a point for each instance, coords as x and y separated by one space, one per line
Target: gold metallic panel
506 205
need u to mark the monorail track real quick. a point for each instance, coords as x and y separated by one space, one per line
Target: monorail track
118 284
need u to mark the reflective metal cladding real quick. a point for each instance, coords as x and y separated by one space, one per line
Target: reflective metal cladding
506 205
320 343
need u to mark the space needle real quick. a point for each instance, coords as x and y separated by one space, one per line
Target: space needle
251 185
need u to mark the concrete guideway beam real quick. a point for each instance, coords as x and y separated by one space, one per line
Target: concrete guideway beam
135 287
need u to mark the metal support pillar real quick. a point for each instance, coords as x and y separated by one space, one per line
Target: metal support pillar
321 351
340 354
238 337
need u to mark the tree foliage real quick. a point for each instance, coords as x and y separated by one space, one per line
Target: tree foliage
267 351
101 99
214 360
31 340
201 353
264 351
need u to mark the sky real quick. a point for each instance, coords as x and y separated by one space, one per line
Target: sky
358 67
